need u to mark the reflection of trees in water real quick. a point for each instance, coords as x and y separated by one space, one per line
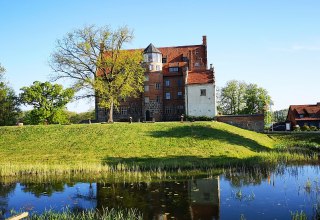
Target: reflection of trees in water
163 200
5 190
42 189
153 199
247 176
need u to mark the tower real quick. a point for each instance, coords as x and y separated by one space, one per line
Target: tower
153 85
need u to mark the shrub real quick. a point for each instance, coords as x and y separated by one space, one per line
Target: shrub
296 128
313 128
305 128
199 118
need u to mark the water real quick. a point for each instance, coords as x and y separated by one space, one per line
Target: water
231 195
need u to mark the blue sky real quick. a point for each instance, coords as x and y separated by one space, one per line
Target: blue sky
274 43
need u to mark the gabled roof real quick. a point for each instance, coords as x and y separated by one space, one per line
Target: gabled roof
200 77
151 49
306 110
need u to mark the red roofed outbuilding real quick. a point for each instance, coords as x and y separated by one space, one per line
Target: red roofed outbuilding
304 115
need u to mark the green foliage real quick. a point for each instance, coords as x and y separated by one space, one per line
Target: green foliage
9 104
305 128
280 115
241 98
104 214
125 79
76 118
313 128
199 118
296 128
48 101
94 60
299 215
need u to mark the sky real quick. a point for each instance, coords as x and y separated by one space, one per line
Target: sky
274 43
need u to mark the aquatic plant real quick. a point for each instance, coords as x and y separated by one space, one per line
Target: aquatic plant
308 186
299 215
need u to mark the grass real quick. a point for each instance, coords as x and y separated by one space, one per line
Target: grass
104 214
103 148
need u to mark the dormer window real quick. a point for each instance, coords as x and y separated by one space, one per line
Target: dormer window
164 59
173 69
301 116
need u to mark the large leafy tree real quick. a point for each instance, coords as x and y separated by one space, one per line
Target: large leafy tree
231 97
95 62
242 98
48 101
9 105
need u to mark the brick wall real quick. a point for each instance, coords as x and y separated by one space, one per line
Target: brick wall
249 122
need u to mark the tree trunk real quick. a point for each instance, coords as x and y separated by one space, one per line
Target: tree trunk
110 119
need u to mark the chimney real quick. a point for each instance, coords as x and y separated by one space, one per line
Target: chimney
204 40
211 67
318 103
186 75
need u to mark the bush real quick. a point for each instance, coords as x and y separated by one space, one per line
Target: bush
296 128
305 128
199 118
313 128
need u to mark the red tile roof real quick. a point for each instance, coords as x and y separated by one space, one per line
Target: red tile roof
203 77
307 111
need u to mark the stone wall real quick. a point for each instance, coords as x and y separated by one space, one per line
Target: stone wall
249 122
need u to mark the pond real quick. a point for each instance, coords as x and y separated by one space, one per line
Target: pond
234 194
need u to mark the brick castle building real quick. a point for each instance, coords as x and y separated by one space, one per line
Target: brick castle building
177 81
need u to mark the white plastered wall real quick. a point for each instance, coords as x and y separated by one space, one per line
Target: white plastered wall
197 105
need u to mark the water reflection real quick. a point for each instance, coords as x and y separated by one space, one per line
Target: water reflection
249 193
190 199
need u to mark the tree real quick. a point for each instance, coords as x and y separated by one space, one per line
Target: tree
48 101
231 100
256 99
94 60
9 105
241 98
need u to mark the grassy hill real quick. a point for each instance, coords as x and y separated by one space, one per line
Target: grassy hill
104 147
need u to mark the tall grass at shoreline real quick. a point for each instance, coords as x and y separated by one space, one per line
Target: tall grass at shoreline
104 214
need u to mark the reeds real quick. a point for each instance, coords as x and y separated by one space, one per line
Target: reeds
104 214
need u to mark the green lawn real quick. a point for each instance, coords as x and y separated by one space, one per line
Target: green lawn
98 147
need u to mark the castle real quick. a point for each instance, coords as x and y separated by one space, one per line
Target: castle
177 82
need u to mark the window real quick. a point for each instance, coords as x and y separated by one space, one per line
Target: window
157 86
203 92
179 82
146 88
196 64
158 99
158 67
150 67
164 59
179 95
146 78
168 110
146 99
185 59
180 109
301 116
123 110
168 95
173 69
167 82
